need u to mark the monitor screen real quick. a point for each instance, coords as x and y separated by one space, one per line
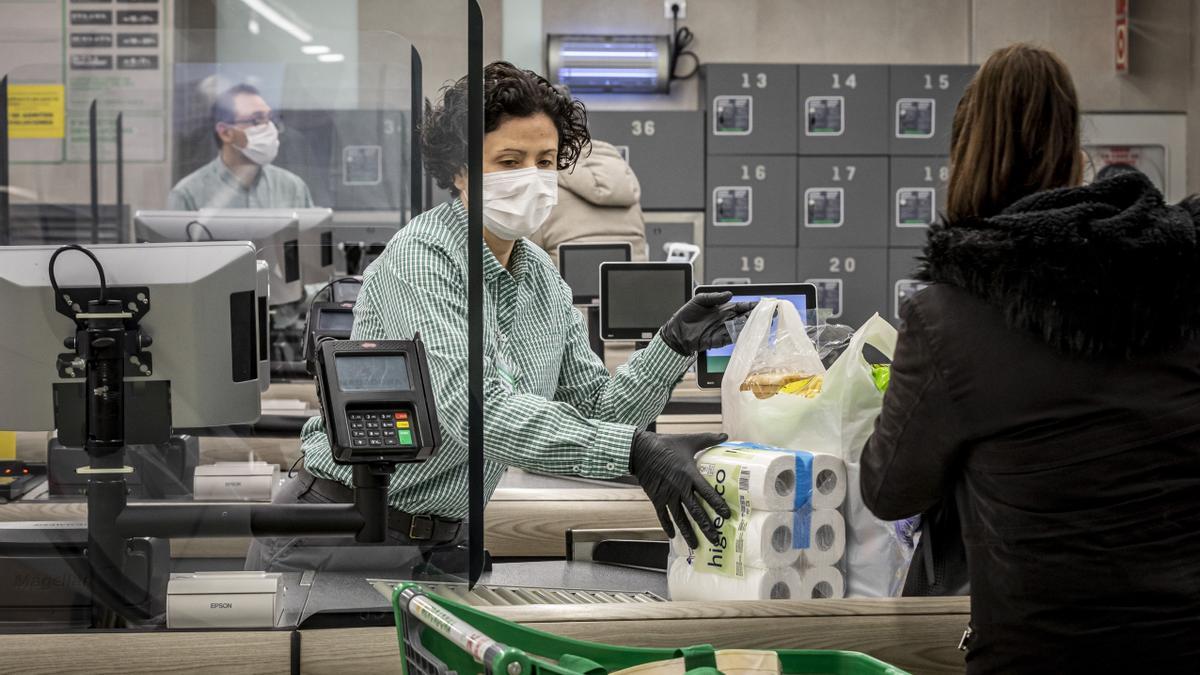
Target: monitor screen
332 319
580 267
373 373
717 359
643 299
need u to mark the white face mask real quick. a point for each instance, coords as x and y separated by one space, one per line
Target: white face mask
516 203
262 143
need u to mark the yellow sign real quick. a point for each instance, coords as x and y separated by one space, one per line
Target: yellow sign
36 111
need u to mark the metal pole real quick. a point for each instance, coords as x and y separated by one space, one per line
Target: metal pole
94 165
415 184
475 125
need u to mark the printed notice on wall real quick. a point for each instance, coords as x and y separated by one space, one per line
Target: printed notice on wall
60 55
114 55
36 111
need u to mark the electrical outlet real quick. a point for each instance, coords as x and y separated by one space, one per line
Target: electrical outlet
667 8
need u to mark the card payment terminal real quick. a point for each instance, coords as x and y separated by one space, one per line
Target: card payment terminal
377 400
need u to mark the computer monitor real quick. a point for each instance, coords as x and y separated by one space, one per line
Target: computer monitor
201 318
360 236
579 265
275 235
316 238
636 299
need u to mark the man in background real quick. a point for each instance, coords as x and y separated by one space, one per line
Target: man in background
241 175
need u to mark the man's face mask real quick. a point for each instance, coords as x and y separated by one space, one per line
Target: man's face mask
262 143
516 203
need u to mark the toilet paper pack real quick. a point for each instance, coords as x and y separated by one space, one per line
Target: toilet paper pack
685 582
778 479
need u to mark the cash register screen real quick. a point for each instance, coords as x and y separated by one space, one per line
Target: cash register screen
335 320
373 373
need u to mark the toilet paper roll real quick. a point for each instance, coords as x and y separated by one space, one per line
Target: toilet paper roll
821 582
684 582
768 540
826 543
767 479
828 481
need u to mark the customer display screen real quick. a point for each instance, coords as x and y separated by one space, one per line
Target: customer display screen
645 299
334 320
580 268
717 359
373 373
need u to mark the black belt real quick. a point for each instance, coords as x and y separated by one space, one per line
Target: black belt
418 527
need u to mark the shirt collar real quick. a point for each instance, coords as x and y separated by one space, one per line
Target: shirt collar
491 264
229 178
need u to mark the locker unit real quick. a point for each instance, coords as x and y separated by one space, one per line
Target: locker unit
751 109
843 110
665 149
917 197
842 201
851 282
749 264
921 106
902 263
751 201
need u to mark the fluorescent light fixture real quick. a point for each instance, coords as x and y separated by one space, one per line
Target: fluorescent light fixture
626 64
253 26
314 49
281 22
331 58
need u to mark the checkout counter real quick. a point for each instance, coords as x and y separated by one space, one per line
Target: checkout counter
333 623
339 622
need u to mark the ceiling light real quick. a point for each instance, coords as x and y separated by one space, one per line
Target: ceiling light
315 49
283 23
253 26
331 58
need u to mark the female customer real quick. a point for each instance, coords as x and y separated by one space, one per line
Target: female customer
1046 387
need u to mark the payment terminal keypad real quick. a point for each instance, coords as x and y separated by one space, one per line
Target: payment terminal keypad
387 428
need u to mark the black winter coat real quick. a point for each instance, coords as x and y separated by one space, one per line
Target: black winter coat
1047 387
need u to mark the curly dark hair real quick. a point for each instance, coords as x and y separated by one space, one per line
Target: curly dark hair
508 91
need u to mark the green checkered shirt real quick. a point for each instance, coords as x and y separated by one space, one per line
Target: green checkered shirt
559 411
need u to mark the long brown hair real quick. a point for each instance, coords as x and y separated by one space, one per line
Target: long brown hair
1016 132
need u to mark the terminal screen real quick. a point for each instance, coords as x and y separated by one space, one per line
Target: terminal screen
333 320
373 373
645 299
825 116
717 359
581 268
914 118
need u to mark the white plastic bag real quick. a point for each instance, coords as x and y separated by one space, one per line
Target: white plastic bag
785 421
878 552
838 421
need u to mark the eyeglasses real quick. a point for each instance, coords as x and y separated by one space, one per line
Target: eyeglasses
259 120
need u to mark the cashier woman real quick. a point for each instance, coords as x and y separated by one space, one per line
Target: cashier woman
550 403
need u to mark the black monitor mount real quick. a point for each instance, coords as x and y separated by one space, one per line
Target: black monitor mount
108 344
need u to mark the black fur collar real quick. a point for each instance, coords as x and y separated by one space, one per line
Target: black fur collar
1106 269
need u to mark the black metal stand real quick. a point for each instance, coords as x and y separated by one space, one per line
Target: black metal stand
593 326
475 133
106 337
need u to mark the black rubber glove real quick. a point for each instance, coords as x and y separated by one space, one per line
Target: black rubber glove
700 324
665 466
